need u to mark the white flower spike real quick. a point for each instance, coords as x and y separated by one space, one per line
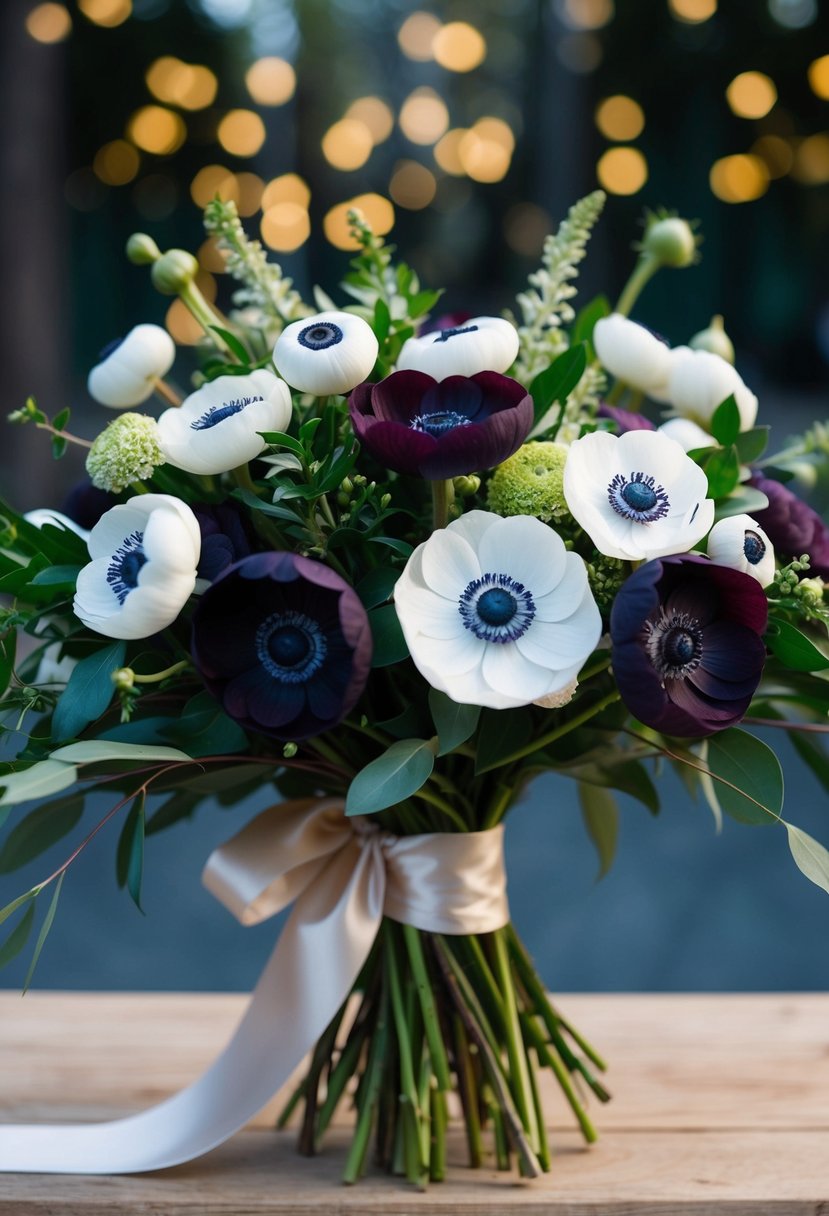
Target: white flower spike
496 612
739 542
631 353
330 353
143 569
129 367
637 496
482 344
217 428
699 381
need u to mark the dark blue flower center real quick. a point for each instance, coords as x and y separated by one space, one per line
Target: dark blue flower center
678 647
218 413
107 350
127 560
438 422
320 335
446 334
291 646
754 548
674 644
496 608
638 497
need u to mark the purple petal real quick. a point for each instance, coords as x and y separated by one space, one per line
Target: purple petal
625 420
399 397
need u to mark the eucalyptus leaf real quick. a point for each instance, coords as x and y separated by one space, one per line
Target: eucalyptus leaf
18 937
46 777
48 920
600 812
129 859
376 586
810 856
8 650
11 908
454 723
392 777
278 439
62 576
39 830
793 647
389 642
88 691
748 777
93 751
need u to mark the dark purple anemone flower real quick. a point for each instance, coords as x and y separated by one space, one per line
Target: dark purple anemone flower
625 420
792 526
283 643
85 504
441 428
687 650
226 537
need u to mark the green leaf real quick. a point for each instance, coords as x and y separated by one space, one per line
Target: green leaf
233 343
400 546
180 806
744 501
382 320
749 779
500 734
94 751
8 650
392 777
412 721
752 444
810 856
60 419
46 777
61 576
722 468
628 776
88 692
793 647
38 831
18 937
44 932
389 642
129 858
267 508
59 446
601 818
422 302
11 908
454 723
376 587
278 439
585 322
725 423
557 381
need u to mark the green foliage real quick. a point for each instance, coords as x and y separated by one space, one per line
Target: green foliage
810 857
725 422
500 734
88 692
454 723
389 643
129 858
39 830
748 775
600 812
554 385
793 648
396 775
37 781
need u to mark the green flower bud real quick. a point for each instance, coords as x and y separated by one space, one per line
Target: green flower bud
342 499
127 450
174 271
671 241
605 576
531 483
810 590
347 486
715 340
289 751
385 501
142 249
123 678
465 487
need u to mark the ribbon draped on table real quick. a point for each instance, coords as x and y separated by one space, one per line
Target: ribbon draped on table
342 877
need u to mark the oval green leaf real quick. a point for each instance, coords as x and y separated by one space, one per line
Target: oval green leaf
392 777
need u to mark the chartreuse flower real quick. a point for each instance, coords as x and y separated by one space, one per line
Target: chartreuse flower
496 612
531 483
481 344
284 643
637 495
739 542
687 646
129 367
326 354
127 450
143 570
217 428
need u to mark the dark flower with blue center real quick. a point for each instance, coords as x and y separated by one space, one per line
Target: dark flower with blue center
687 646
439 429
792 526
283 643
226 537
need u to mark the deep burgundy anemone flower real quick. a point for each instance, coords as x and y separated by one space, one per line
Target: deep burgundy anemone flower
792 526
625 420
283 643
226 537
687 650
439 429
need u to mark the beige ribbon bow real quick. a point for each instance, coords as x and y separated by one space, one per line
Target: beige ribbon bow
342 876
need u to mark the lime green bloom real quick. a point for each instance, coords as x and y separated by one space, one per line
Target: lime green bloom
126 451
605 576
531 483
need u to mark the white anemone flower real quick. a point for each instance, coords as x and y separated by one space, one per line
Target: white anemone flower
699 381
482 344
739 542
631 353
689 435
637 496
217 428
143 569
129 367
496 612
332 352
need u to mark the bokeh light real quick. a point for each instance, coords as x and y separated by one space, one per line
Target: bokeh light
213 181
347 144
585 14
375 114
459 47
192 86
794 14
156 129
288 188
622 170
412 185
285 226
211 257
116 163
751 94
417 34
819 76
739 179
776 153
241 132
108 13
378 211
811 160
447 152
49 23
620 118
525 227
271 81
485 150
250 191
692 12
424 116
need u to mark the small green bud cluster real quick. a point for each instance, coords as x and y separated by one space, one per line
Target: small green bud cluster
123 678
605 576
29 413
465 487
810 592
127 450
669 240
787 578
531 483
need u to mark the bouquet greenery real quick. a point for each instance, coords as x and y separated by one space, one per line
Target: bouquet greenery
407 566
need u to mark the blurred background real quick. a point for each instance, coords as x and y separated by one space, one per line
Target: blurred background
465 130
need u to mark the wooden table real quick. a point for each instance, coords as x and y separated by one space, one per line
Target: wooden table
721 1105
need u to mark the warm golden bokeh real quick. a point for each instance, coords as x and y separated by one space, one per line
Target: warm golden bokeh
412 185
375 114
819 76
156 129
751 94
459 47
424 116
192 86
347 144
776 153
289 188
586 14
378 211
417 35
116 163
250 189
241 132
620 118
108 13
622 170
485 150
693 12
448 151
49 23
739 179
271 81
285 226
811 160
211 181
211 257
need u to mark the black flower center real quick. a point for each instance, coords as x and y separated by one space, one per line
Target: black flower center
320 336
678 647
438 422
291 646
127 560
446 334
754 548
674 644
288 645
496 608
638 497
218 413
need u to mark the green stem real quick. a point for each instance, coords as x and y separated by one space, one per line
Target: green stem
443 493
371 1091
443 806
643 272
409 1094
549 1058
519 1072
193 299
440 1118
423 983
560 731
162 675
241 475
468 1090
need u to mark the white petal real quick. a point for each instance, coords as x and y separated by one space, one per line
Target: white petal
427 612
726 547
687 434
631 352
559 644
478 345
526 549
333 369
701 381
126 376
472 526
441 658
113 527
567 595
449 563
510 672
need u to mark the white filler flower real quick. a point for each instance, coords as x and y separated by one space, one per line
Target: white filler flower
637 496
482 344
329 353
739 542
129 367
496 612
699 381
143 569
217 428
631 353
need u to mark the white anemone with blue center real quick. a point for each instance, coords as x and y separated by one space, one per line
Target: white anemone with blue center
128 368
216 429
481 344
699 382
631 353
496 612
330 353
143 570
638 495
739 542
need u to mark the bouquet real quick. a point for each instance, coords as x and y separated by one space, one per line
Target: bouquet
384 570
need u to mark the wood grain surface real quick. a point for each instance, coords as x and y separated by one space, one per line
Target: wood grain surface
721 1105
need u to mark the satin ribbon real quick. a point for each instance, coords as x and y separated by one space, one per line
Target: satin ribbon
342 876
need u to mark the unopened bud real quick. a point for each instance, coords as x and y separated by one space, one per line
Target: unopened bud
810 590
466 486
671 241
385 501
347 486
142 249
289 751
715 340
174 271
123 678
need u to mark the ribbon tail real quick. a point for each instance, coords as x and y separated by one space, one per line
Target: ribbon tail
317 959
